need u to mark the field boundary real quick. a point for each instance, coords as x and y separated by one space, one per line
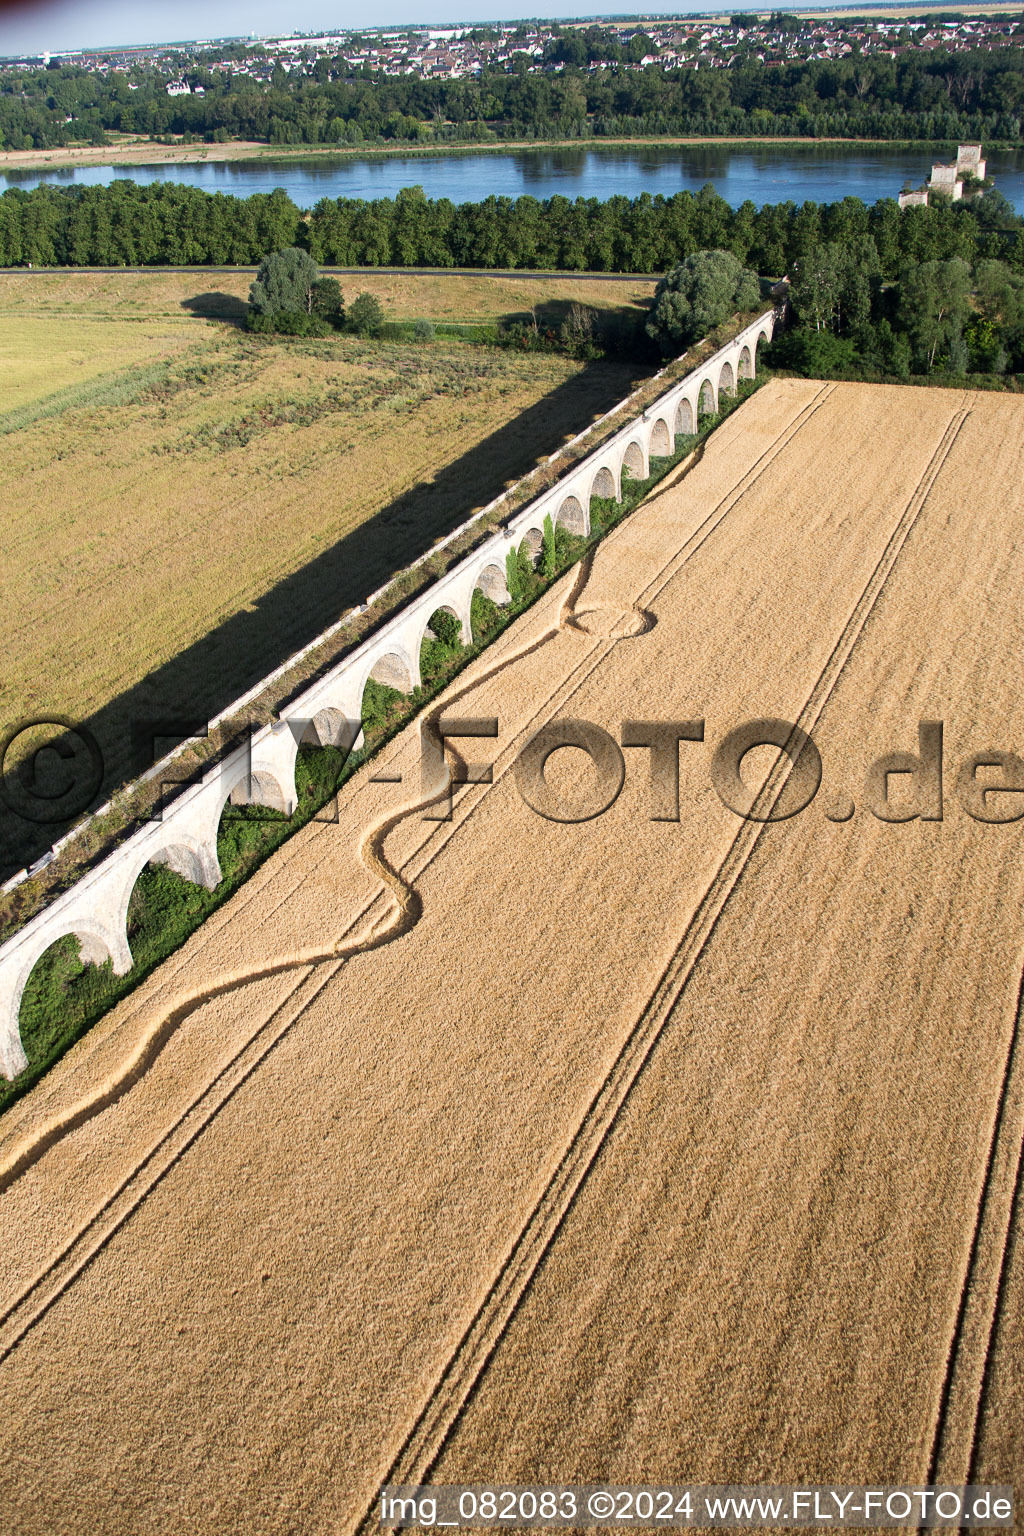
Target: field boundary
529 274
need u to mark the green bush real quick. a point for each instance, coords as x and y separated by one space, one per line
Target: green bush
328 302
287 322
382 707
365 315
529 581
820 354
423 330
486 617
447 628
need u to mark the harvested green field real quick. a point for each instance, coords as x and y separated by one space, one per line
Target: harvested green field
204 502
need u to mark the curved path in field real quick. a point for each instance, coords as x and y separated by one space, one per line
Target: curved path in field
408 909
652 1151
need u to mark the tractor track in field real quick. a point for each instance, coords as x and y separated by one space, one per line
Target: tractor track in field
426 1440
35 1299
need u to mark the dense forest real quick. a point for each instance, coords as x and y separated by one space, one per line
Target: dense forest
928 95
166 224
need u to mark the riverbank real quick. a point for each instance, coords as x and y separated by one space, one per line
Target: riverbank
148 152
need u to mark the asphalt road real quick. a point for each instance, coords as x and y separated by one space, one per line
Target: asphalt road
597 277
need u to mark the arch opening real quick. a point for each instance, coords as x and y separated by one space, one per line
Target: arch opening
330 727
661 440
746 364
259 788
684 419
170 895
382 708
187 863
603 488
490 595
61 991
532 545
253 819
706 400
493 584
392 670
386 693
726 381
325 746
633 462
444 625
572 517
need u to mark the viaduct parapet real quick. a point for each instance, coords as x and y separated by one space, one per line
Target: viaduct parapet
329 712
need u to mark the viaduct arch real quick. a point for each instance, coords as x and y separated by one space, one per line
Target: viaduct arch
329 712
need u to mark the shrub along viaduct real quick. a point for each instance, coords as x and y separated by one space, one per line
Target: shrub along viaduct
262 771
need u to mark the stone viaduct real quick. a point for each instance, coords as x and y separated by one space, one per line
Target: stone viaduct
262 771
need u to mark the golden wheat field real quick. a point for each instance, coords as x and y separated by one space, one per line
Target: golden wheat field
628 1149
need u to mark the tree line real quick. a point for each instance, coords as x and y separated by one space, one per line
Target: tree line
164 224
929 95
943 318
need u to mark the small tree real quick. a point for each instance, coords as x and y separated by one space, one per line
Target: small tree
285 282
958 354
365 315
698 294
550 553
934 304
513 579
328 302
577 333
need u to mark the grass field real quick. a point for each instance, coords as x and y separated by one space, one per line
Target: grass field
639 1149
43 354
158 299
187 505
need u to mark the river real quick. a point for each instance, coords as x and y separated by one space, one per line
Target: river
763 173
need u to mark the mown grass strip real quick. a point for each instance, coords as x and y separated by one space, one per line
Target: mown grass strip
117 391
123 388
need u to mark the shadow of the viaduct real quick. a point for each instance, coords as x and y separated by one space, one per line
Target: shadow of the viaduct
199 682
